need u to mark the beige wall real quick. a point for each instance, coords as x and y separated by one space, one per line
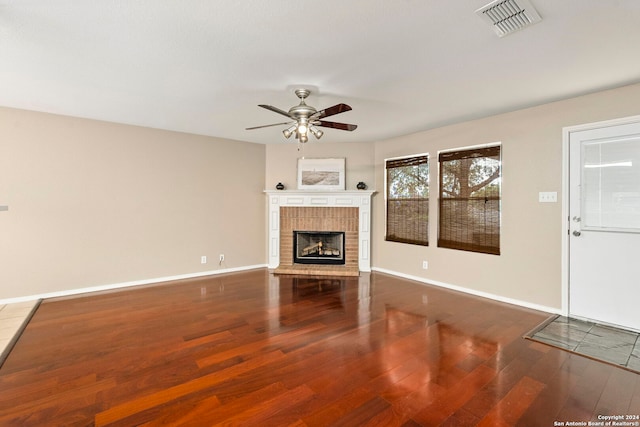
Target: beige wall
529 268
95 204
282 161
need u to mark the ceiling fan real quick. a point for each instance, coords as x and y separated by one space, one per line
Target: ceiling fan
307 119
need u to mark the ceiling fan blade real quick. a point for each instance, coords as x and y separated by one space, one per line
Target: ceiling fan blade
334 125
266 126
275 109
336 109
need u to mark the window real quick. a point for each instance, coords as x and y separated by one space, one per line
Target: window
408 200
469 217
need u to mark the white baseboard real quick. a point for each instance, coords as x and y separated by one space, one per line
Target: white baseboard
71 292
471 291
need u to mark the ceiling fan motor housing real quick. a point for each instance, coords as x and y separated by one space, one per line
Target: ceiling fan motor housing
302 110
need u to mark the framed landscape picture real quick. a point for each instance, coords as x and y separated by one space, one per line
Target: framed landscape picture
321 174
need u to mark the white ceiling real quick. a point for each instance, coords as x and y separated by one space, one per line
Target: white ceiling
203 66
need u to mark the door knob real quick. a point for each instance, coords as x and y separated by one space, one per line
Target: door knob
577 233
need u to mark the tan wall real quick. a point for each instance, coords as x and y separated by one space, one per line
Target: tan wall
94 203
282 161
529 268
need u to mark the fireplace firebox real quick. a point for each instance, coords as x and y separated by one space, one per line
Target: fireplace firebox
318 247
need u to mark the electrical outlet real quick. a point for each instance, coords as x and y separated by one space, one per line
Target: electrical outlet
221 258
203 259
425 265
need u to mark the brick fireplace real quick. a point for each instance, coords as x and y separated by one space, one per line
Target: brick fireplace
336 211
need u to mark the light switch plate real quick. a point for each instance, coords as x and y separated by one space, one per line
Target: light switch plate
548 196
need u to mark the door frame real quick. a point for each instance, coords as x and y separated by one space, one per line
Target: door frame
566 134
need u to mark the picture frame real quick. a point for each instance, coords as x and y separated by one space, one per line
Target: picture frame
321 174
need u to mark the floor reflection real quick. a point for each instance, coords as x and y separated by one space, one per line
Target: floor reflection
411 338
303 287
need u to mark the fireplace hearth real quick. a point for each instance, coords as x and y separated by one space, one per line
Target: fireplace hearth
318 247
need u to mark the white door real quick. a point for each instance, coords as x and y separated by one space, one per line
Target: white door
604 230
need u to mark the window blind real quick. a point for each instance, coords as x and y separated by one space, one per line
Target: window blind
469 203
408 200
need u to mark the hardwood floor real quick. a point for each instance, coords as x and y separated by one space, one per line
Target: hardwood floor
256 349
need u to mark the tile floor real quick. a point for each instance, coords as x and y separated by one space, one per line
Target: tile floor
13 318
612 345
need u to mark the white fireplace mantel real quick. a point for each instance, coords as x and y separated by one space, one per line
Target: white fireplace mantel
292 198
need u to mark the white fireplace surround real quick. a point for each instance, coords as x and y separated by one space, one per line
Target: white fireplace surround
296 198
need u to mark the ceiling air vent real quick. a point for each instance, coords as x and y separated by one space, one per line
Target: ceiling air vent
509 16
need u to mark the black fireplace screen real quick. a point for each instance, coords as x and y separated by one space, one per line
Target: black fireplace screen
318 247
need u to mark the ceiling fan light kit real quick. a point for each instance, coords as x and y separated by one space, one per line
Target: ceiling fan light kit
289 131
307 119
